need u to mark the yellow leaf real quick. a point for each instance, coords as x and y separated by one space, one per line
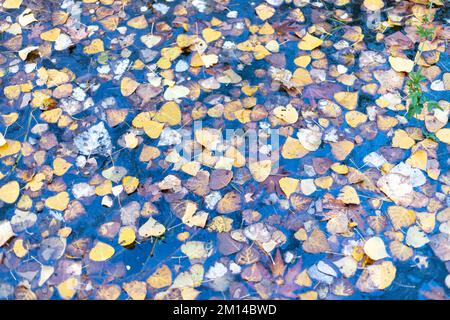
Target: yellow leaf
373 5
163 63
128 86
264 11
324 182
51 116
104 188
12 92
130 184
266 29
58 202
101 252
68 288
9 148
260 170
444 135
293 149
401 64
137 290
12 4
10 192
309 42
402 140
153 128
288 114
260 52
341 149
211 35
355 118
346 99
51 35
169 113
301 77
138 22
191 167
339 168
127 236
418 160
60 166
348 195
96 46
19 248
288 185
302 61
161 278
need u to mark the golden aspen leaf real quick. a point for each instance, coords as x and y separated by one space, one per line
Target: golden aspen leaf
211 35
127 236
347 99
19 248
96 46
418 159
161 278
169 113
303 279
60 166
12 92
401 64
266 29
9 192
301 77
376 277
376 250
260 170
153 129
324 182
288 114
341 149
128 86
51 35
138 22
348 195
12 4
51 116
373 5
288 185
137 290
9 148
293 149
355 118
444 135
264 11
130 184
101 252
68 288
58 202
104 188
191 168
402 140
302 61
164 63
260 52
309 42
339 168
